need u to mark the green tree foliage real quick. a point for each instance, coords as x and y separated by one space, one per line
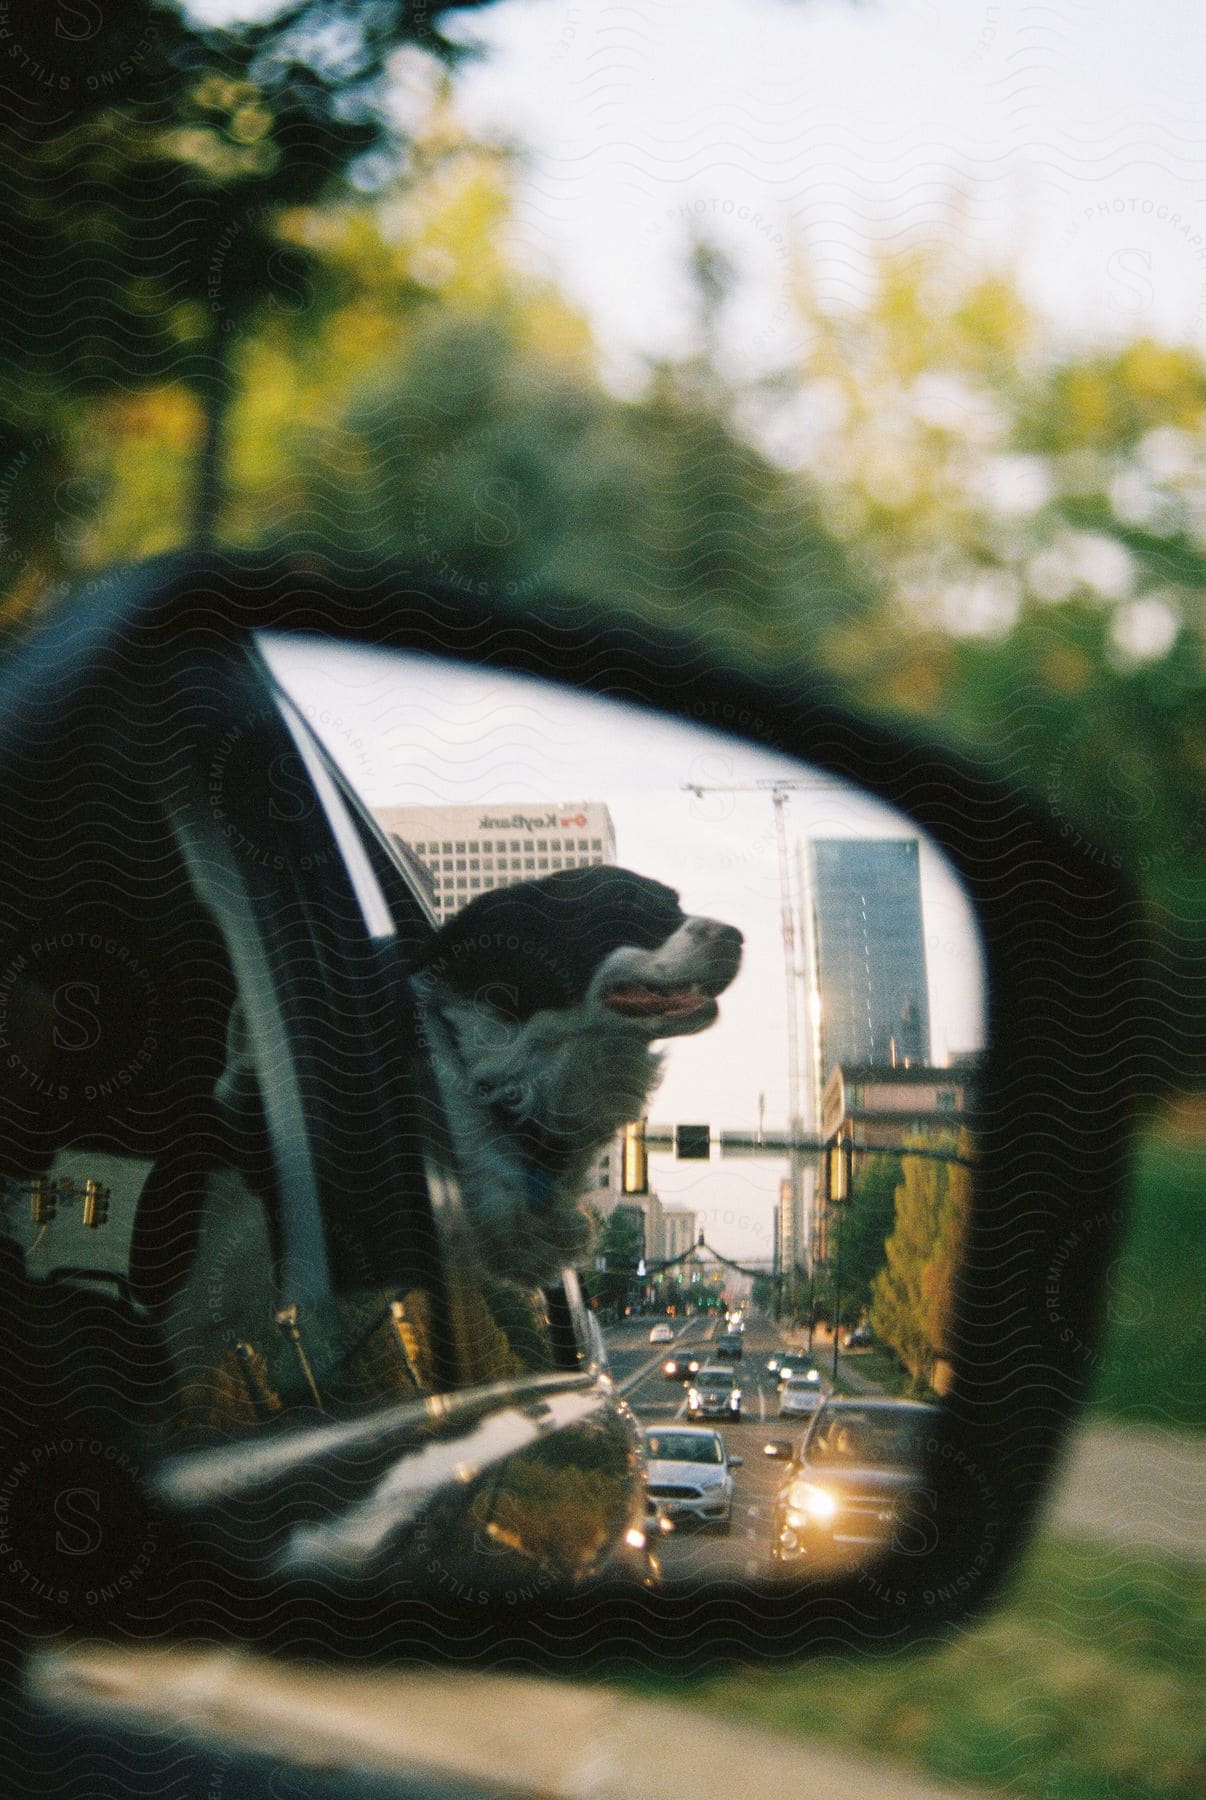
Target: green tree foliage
1038 516
867 1221
620 1243
148 161
912 1296
505 470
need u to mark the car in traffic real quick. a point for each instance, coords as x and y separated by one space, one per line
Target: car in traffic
662 1334
681 1367
729 1347
793 1363
688 1474
800 1395
854 1483
714 1394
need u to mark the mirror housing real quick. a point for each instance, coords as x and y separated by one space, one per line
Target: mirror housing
1045 1200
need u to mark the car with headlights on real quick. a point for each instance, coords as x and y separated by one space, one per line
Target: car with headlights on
714 1394
688 1474
795 1365
854 1484
662 1334
681 1367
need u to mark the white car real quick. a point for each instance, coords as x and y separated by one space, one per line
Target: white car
661 1334
689 1474
800 1394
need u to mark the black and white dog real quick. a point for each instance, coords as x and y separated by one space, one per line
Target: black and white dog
539 1004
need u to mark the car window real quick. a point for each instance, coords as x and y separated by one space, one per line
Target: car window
498 1330
864 1435
681 1446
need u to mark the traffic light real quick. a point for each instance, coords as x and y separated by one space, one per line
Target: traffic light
96 1204
837 1171
693 1143
636 1159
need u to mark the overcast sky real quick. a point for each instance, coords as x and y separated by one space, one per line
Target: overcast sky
1070 136
408 731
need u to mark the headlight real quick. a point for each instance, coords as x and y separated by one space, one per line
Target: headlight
692 1397
812 1502
735 1397
813 1376
635 1538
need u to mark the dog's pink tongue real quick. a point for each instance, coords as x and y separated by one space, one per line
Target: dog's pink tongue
638 1002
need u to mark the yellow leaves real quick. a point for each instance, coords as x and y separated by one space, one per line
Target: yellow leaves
249 124
189 323
167 416
1167 381
220 94
994 318
213 153
551 326
1089 404
466 218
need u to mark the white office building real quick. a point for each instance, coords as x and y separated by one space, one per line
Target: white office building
468 850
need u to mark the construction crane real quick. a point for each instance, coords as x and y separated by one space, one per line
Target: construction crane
794 964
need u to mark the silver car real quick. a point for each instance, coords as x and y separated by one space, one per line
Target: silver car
688 1474
800 1396
714 1394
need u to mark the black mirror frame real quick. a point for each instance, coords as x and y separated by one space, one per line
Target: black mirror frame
1073 1028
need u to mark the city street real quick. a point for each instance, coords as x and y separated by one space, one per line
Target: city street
689 1551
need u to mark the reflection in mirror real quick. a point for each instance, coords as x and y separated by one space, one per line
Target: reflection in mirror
707 1026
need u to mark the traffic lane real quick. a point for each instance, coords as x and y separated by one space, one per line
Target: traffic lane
653 1393
654 1398
628 1352
699 1553
702 1553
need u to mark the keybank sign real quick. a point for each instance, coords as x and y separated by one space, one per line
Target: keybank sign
533 822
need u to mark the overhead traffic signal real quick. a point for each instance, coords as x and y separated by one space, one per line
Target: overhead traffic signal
693 1143
636 1159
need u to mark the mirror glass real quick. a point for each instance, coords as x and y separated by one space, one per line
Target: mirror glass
766 1224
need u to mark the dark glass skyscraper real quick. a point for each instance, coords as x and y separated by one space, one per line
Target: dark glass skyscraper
869 950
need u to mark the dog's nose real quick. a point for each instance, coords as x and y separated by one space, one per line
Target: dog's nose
712 931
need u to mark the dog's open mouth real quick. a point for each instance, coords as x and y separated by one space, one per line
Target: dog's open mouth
637 1000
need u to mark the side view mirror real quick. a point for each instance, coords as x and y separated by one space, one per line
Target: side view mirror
347 922
736 1462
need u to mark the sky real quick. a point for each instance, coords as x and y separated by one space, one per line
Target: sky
1069 138
410 731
